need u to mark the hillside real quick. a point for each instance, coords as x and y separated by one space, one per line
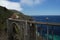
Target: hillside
6 13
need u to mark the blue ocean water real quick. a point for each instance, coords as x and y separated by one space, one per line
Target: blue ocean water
50 18
56 29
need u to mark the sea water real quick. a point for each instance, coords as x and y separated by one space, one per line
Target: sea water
56 29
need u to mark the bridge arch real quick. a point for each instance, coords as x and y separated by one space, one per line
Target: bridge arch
15 26
15 31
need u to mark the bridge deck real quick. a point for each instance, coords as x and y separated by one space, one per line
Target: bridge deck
46 23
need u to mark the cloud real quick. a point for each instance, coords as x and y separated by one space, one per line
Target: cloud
31 2
39 1
11 5
18 5
28 2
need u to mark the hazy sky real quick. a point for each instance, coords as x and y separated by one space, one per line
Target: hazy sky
33 7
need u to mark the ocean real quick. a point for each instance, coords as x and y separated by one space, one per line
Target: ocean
56 29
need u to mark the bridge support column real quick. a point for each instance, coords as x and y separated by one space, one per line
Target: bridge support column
47 32
9 30
41 32
52 33
36 33
25 31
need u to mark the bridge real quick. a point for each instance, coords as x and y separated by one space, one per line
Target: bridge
27 30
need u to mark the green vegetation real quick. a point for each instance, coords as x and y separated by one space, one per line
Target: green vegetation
5 14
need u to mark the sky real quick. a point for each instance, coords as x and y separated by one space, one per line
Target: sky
33 7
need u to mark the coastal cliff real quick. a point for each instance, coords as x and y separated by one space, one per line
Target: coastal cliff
4 15
7 13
